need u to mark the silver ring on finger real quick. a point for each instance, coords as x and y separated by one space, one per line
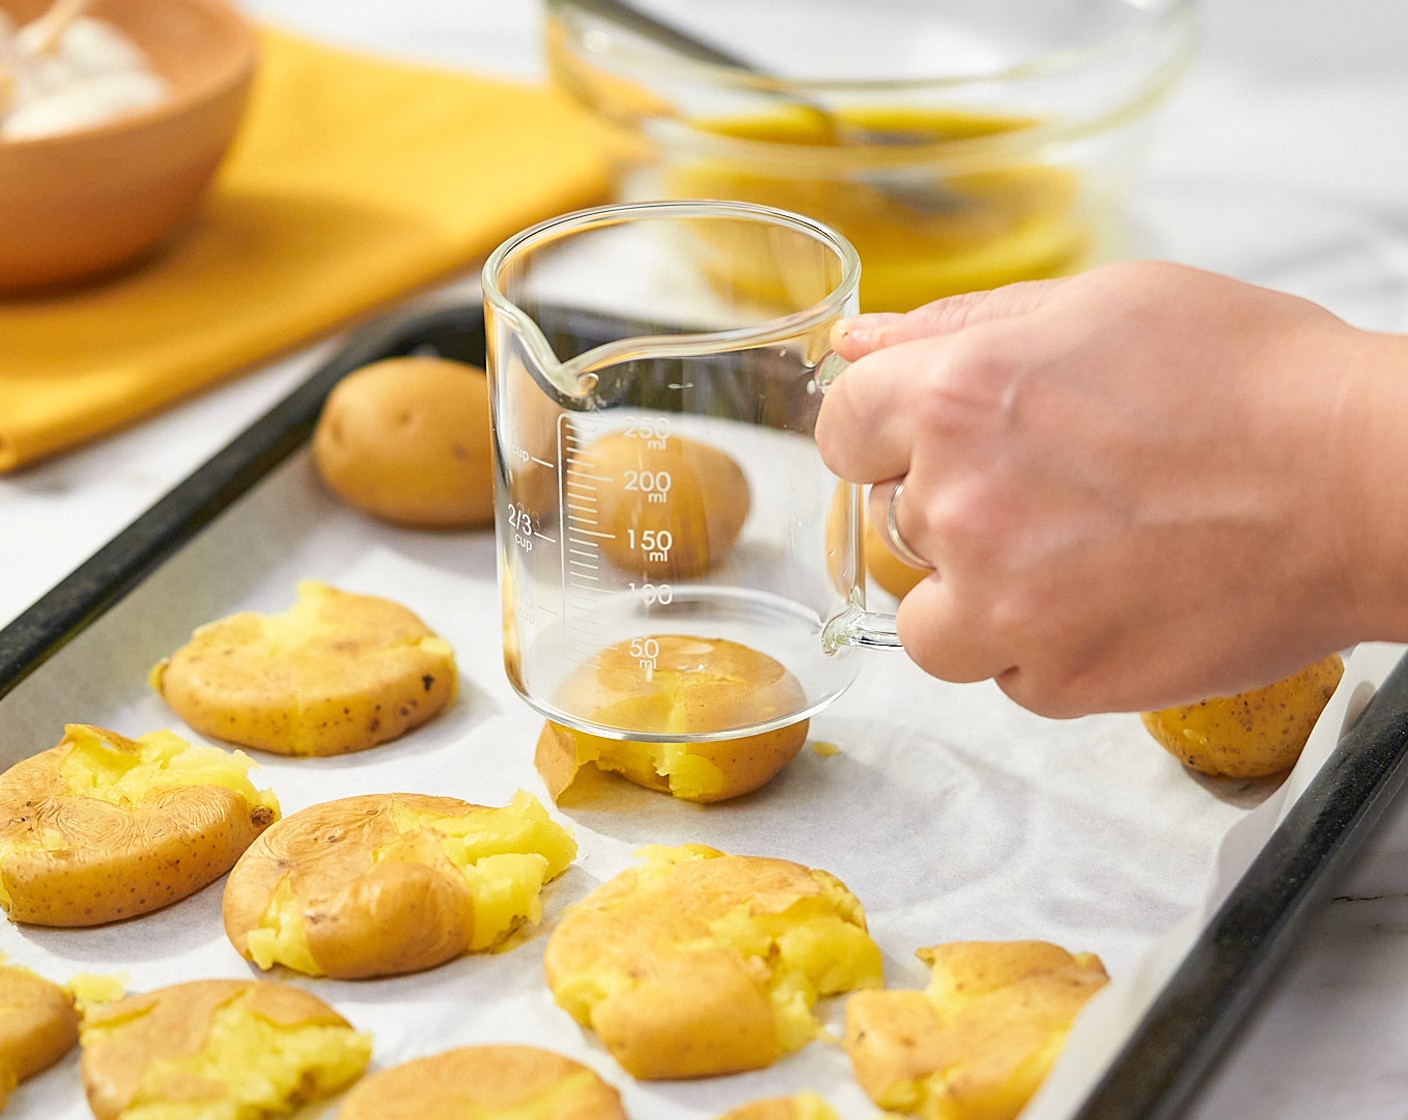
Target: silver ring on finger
892 528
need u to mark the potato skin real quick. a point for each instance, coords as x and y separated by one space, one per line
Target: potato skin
409 440
361 671
38 1026
509 1078
113 861
979 1041
1252 734
364 918
703 512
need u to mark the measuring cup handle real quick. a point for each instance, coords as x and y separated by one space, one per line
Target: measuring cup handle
854 626
828 369
857 627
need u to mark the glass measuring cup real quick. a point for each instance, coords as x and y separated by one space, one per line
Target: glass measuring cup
676 563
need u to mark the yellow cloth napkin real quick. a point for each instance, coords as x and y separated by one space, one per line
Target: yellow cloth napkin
353 181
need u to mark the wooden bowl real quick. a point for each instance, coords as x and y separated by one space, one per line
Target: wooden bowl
79 204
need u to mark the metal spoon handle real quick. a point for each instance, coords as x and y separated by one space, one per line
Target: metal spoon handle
925 196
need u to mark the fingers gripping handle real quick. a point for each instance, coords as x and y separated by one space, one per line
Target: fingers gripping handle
854 625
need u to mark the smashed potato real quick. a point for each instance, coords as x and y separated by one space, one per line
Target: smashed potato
698 963
409 441
1252 734
38 1026
672 507
382 884
977 1043
802 1106
521 1082
102 827
241 1049
690 686
337 672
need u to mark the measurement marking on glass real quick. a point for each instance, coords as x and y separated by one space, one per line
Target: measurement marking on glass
587 589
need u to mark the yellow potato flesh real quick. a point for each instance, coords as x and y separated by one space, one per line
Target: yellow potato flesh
267 1068
796 941
282 936
505 856
92 989
672 766
811 950
93 768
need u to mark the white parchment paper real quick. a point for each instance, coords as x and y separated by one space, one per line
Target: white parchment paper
949 811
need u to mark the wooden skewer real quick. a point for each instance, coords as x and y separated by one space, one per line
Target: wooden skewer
55 22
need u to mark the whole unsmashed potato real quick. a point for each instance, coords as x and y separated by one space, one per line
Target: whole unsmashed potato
102 827
668 507
522 1082
698 963
384 884
977 1043
693 685
337 672
1252 734
409 440
217 1048
38 1026
881 564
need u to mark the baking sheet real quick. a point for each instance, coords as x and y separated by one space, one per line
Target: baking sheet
949 811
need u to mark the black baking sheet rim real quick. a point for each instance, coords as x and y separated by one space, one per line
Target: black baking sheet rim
1192 1023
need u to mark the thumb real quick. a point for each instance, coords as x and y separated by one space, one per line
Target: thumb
857 336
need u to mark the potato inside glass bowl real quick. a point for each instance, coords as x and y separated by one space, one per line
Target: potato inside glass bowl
959 145
82 202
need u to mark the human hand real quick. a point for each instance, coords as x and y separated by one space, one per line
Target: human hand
1138 486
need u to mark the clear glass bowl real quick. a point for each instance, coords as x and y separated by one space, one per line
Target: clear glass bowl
958 144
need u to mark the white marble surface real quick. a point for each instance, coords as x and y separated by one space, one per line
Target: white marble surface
1283 157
